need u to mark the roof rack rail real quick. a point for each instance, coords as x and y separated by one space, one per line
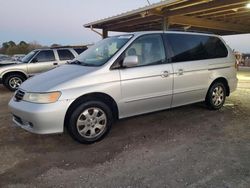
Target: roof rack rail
190 30
80 46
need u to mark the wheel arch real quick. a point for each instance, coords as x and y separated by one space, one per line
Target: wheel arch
102 97
5 74
222 80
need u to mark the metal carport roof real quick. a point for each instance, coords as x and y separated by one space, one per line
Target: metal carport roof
217 16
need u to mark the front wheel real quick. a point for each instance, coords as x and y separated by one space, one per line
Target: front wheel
216 96
13 81
90 122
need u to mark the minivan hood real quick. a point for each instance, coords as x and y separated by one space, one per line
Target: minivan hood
53 79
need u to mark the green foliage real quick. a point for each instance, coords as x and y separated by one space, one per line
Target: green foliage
55 45
10 48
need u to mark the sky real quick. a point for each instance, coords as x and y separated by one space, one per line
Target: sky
61 21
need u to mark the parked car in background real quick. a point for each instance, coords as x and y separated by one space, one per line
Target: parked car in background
123 76
4 58
35 62
18 57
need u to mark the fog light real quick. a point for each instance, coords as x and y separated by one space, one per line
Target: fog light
27 124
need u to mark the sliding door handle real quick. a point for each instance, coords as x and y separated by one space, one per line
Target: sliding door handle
180 72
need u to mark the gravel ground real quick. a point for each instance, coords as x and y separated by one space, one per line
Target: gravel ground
188 146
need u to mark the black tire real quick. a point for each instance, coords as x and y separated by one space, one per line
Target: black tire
73 128
216 96
7 81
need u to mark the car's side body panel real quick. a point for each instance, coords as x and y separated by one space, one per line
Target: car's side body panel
145 89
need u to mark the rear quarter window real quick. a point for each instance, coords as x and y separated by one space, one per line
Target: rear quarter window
80 50
65 55
188 47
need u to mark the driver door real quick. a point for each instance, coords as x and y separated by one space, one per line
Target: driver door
41 62
148 86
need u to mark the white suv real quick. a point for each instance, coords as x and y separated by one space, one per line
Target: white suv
123 76
12 75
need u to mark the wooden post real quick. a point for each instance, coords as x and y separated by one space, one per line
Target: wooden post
165 23
104 33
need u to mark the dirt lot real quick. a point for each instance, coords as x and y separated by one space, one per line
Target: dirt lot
188 146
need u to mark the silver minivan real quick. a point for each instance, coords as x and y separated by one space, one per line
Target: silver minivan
123 76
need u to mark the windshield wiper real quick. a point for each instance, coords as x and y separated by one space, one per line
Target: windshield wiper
77 62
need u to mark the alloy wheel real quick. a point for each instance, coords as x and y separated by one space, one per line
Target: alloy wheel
91 122
15 82
218 96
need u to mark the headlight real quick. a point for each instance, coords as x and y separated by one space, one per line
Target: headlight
42 97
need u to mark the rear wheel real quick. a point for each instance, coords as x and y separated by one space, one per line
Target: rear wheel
216 96
13 81
90 122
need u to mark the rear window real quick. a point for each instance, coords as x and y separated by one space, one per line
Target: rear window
188 47
65 55
80 50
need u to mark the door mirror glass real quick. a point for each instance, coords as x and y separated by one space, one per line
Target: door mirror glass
131 61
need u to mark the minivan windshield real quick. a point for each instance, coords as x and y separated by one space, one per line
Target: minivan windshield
101 52
28 57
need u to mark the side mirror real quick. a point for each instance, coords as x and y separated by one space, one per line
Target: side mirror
34 60
131 61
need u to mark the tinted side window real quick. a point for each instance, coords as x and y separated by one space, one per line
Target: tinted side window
45 55
80 50
149 49
216 48
188 47
65 55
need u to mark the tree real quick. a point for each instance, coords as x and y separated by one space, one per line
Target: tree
55 45
11 43
22 43
22 47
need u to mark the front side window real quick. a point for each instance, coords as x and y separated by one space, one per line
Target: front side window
65 55
28 57
103 51
149 49
44 56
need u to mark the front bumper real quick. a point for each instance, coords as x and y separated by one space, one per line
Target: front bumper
39 118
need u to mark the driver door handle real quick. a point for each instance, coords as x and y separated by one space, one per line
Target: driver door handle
165 74
55 63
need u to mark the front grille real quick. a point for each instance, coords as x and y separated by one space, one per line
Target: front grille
19 95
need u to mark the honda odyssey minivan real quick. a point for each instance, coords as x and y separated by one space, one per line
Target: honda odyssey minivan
123 76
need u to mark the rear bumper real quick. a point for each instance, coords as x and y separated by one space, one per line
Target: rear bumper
232 83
